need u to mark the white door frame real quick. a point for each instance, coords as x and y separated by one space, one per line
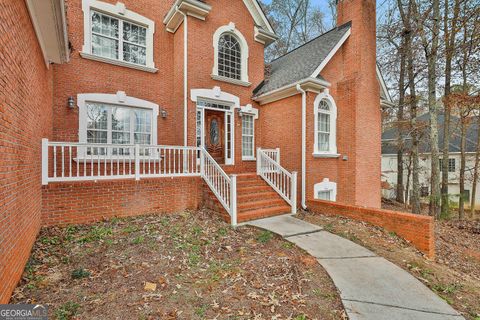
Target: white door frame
229 159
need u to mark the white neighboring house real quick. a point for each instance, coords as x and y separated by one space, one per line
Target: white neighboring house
389 163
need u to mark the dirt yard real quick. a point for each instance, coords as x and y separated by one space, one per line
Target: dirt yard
183 266
455 273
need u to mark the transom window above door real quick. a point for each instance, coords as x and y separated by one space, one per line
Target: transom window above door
116 35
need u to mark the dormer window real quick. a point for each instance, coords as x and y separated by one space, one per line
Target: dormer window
230 56
118 36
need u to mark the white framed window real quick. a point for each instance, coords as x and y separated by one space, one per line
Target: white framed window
116 35
325 190
451 164
230 56
248 137
325 126
116 119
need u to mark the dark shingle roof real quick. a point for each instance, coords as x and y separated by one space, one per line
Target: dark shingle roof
301 62
389 136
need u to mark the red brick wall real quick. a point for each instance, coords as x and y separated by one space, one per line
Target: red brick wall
85 202
417 229
25 117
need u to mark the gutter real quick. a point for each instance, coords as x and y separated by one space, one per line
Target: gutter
304 142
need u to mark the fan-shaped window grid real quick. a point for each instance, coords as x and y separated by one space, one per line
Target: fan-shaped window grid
229 57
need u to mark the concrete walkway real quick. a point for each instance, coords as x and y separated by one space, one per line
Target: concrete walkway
370 286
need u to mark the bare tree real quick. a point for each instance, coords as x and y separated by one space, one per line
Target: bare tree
295 22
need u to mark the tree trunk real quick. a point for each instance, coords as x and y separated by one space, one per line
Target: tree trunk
463 139
475 171
400 120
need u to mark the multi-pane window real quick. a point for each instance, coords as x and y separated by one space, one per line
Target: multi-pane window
118 125
247 136
323 127
115 38
451 164
324 195
229 57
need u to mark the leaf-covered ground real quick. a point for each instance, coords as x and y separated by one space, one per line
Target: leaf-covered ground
454 274
184 266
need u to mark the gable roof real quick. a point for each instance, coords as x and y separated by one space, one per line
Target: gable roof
389 136
258 15
306 61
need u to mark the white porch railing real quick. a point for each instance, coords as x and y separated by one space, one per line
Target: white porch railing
273 153
70 161
223 186
282 181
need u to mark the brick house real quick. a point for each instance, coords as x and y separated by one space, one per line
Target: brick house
122 108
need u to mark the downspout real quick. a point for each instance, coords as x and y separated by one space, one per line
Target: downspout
304 142
185 77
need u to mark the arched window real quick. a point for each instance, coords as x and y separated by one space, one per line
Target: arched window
229 57
325 125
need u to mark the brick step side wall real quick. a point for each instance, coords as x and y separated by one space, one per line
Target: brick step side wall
87 202
417 229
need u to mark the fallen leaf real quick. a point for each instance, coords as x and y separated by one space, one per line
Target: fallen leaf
150 286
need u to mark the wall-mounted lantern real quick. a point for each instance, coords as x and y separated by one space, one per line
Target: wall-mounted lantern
71 102
163 113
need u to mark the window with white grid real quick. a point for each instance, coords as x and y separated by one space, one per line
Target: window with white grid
248 140
229 57
323 127
117 39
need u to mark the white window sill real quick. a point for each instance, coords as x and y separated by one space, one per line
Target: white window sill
120 63
325 155
249 159
229 80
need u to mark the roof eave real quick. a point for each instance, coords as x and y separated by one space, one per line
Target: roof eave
50 24
307 84
264 37
194 8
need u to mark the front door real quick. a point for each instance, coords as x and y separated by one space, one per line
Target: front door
214 135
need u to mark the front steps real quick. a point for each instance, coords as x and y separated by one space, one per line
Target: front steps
255 200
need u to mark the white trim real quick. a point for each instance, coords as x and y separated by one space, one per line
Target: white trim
193 8
230 80
118 62
249 110
120 99
325 95
230 28
118 11
264 37
325 185
215 94
258 16
308 84
50 25
331 53
252 156
383 87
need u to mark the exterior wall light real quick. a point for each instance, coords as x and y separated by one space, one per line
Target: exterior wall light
71 102
163 113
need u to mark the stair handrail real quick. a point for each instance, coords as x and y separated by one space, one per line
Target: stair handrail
224 187
282 181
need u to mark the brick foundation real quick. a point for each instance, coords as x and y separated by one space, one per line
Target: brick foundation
86 202
417 229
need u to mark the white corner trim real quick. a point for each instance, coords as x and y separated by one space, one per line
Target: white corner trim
325 185
249 110
257 14
325 95
49 22
230 28
120 99
331 53
118 62
215 94
119 11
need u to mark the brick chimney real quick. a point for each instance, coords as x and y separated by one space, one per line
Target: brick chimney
359 91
